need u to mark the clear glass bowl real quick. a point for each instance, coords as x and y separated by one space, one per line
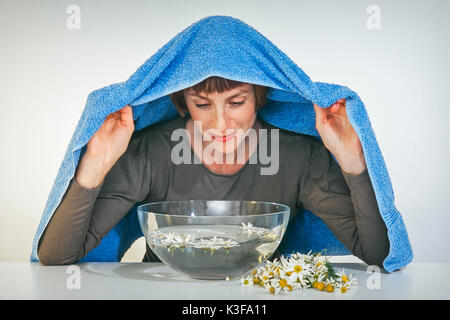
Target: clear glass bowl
213 239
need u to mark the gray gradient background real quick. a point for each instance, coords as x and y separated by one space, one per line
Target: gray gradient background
400 72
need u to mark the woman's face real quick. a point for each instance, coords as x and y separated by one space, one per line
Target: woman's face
223 116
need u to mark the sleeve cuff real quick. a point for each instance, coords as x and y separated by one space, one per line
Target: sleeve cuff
357 179
81 191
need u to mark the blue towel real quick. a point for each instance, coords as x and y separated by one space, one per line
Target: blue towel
227 47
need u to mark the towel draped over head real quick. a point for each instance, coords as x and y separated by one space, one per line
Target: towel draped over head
229 48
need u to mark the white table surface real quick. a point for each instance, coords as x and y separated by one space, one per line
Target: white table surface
22 280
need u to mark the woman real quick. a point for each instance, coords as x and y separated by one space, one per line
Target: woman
119 169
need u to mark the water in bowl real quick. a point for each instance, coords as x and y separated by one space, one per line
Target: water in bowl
213 251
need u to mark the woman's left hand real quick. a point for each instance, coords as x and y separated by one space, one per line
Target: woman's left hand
340 138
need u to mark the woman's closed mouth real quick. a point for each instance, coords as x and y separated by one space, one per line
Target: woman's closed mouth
224 138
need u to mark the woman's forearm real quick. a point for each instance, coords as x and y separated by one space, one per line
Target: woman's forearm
372 232
347 204
63 241
352 164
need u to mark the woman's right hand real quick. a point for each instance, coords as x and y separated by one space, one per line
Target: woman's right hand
105 147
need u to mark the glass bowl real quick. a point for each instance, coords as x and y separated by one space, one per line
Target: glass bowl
213 239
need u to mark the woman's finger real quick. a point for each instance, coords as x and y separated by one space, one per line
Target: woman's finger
335 108
321 115
127 115
338 109
114 115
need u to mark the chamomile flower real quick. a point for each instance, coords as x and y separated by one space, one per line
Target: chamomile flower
202 244
300 271
316 277
284 261
330 284
246 281
230 243
265 276
247 227
347 279
168 239
182 241
319 263
273 287
250 229
272 265
301 257
173 240
284 284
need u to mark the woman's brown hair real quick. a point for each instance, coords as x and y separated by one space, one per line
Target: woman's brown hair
219 85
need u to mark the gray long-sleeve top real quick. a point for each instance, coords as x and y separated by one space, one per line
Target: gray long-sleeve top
307 177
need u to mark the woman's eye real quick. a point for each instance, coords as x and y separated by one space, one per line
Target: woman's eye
235 104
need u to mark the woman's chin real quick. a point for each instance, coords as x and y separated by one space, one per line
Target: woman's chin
228 150
223 149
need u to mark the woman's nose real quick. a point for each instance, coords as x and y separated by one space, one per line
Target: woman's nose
221 122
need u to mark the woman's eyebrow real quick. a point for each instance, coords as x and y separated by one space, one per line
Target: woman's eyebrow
233 96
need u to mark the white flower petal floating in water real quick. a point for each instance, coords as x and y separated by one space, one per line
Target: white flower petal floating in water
250 229
172 240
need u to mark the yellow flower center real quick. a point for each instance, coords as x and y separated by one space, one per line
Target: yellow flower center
289 287
283 283
246 281
321 286
344 278
330 288
272 290
318 264
343 289
315 284
288 273
254 272
255 280
298 269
